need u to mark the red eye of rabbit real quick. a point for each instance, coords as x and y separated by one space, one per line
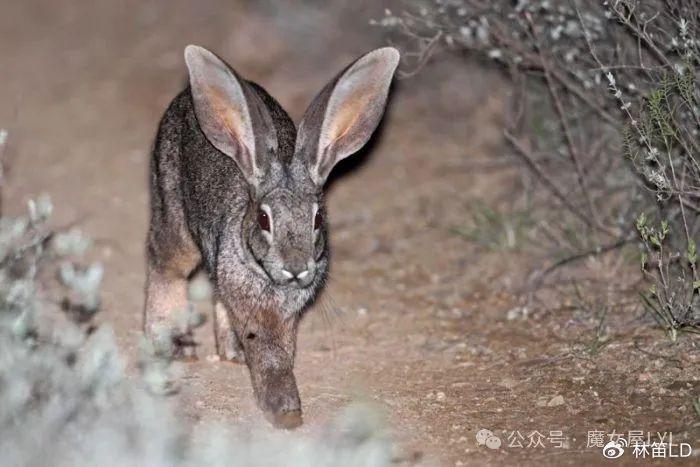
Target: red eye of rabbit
264 220
318 219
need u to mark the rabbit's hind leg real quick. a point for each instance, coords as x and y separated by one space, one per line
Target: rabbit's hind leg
167 317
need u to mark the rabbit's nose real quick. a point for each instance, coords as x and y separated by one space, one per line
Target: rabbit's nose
300 272
295 273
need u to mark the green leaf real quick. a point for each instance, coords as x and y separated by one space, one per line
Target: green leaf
655 240
692 253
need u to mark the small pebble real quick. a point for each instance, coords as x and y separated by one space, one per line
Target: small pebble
440 396
213 358
517 313
556 401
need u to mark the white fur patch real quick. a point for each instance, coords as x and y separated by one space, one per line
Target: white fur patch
268 235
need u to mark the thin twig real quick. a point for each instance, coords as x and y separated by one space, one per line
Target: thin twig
553 188
424 56
538 277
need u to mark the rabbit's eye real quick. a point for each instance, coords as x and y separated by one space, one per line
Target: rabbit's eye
263 220
318 220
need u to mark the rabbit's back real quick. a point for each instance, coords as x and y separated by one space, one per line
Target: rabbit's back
169 240
194 188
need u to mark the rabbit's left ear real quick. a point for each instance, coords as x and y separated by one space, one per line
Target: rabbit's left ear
225 111
346 112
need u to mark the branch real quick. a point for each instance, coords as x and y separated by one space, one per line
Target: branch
553 188
539 276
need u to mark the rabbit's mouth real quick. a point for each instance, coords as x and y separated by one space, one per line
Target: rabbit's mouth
291 278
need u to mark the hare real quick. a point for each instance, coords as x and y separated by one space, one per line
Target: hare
237 190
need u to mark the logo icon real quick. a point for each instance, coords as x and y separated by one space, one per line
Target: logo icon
614 449
486 437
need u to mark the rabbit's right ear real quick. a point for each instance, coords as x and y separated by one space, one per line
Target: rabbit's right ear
221 108
343 116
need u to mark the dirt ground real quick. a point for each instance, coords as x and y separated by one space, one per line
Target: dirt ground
416 319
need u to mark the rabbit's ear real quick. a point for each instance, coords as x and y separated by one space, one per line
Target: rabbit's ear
346 112
221 108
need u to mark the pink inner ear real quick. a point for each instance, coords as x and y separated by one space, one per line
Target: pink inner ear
345 119
222 109
343 128
225 112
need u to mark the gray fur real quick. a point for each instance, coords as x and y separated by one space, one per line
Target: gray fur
209 180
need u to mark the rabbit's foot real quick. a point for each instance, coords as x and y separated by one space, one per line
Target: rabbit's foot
184 348
287 420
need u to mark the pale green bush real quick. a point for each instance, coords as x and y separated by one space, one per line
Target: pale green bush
65 399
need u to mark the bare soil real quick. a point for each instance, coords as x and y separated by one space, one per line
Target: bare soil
415 318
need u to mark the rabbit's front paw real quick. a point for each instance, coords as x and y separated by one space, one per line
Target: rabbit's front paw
184 347
169 344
